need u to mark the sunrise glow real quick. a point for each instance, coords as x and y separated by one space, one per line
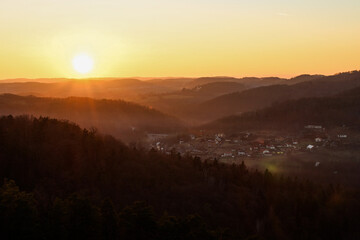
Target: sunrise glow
179 38
83 63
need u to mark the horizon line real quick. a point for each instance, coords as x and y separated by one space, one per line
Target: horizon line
166 77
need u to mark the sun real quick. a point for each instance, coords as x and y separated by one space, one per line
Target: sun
83 63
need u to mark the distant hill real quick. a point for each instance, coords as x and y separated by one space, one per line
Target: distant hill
257 98
186 103
196 100
208 90
249 82
122 119
304 78
178 102
131 89
338 110
108 88
40 80
172 84
216 88
206 80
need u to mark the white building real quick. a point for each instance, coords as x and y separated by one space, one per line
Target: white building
240 153
267 153
313 127
226 155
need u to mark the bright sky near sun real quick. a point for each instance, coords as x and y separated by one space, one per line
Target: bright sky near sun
41 38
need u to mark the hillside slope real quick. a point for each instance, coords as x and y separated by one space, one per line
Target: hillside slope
74 182
120 118
257 98
341 109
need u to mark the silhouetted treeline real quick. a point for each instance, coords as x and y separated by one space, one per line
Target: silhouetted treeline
71 183
23 217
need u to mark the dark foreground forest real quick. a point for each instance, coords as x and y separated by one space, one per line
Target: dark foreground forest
63 182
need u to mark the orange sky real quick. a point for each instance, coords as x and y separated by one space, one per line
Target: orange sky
39 38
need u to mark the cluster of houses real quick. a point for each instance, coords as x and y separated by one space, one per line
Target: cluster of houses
249 144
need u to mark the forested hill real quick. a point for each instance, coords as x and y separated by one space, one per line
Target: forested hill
257 98
120 118
339 110
65 182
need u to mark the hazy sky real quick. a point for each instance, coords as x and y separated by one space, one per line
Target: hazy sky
39 38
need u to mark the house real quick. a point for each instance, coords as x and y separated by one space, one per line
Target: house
241 153
267 153
226 155
217 139
313 127
158 146
271 147
342 136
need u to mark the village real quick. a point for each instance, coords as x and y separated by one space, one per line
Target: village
249 145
